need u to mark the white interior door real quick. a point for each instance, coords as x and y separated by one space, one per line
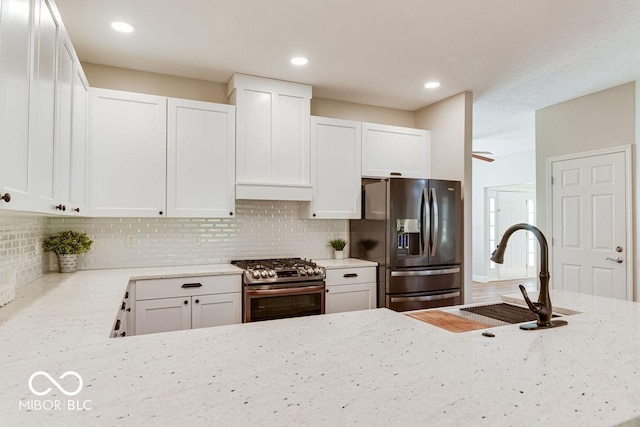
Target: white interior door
505 208
590 225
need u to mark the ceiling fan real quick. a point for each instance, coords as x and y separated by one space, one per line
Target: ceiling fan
481 155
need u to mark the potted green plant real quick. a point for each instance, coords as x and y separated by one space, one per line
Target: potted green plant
67 245
338 247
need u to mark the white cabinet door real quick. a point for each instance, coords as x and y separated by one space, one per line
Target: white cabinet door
216 310
163 315
200 159
335 171
42 122
358 296
78 175
126 154
15 66
62 164
272 138
391 151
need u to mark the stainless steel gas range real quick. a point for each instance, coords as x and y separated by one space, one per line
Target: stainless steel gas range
281 288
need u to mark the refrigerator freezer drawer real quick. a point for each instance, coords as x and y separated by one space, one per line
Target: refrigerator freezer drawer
405 281
422 301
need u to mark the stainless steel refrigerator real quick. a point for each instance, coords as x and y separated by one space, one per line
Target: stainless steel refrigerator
413 229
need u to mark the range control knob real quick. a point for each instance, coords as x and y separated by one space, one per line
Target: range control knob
317 271
264 274
272 273
303 272
255 274
310 271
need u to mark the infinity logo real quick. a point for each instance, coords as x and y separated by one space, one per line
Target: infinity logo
55 383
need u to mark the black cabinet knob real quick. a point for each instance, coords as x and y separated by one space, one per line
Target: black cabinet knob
231 213
326 290
61 207
186 302
314 215
123 334
129 309
6 197
160 213
77 210
197 301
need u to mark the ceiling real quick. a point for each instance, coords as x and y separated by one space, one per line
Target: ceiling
516 56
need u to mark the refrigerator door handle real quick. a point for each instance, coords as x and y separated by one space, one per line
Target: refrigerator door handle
434 224
426 219
426 272
426 297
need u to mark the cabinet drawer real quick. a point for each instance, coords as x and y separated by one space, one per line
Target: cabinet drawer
187 286
344 276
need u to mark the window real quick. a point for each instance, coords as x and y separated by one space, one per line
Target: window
492 229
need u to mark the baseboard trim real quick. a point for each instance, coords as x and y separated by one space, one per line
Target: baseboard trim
481 279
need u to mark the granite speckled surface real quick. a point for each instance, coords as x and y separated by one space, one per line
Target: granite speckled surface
344 263
373 367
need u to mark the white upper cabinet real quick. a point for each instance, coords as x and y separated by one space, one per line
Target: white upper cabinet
335 168
391 151
126 154
200 159
272 138
62 163
42 115
15 67
78 172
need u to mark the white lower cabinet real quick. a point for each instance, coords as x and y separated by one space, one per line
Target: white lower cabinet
164 305
350 289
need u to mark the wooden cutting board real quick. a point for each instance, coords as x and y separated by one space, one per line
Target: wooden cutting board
449 321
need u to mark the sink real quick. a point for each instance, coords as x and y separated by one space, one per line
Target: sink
502 313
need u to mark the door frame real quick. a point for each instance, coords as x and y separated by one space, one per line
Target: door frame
627 150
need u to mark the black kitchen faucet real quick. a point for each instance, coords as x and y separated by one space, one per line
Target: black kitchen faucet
543 308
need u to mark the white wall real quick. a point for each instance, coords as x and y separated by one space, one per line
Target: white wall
512 169
450 122
604 119
260 229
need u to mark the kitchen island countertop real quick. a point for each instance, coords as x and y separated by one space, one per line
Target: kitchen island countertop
374 367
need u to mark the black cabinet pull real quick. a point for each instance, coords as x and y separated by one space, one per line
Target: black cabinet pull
126 294
351 275
61 207
395 174
123 306
186 302
117 325
6 197
192 285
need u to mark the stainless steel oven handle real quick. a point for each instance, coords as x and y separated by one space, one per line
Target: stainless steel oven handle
284 291
426 297
425 272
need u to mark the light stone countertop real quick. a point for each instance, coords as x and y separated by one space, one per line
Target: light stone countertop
374 367
330 264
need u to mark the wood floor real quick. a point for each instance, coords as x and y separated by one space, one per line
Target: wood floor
492 291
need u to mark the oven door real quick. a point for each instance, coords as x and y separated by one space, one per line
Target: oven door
297 299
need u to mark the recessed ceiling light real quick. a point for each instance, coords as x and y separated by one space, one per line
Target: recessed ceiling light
123 27
432 85
299 60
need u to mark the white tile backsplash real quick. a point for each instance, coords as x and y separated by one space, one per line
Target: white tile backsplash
21 247
260 229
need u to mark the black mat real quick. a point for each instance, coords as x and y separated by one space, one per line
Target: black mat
504 312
